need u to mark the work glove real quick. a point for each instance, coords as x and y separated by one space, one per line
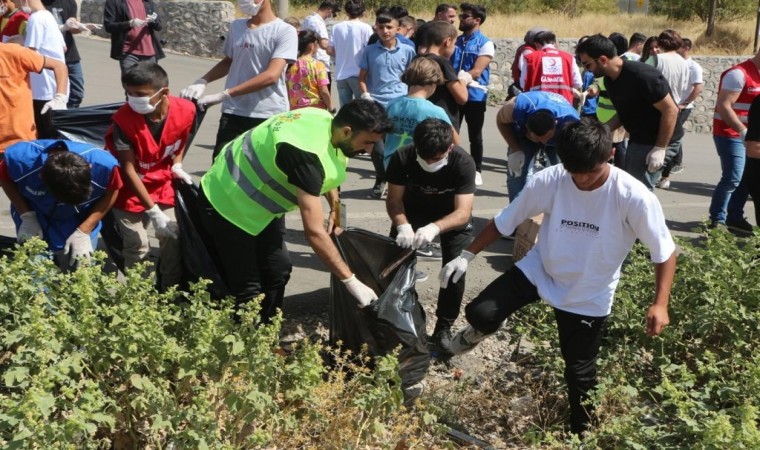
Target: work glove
137 23
425 235
78 245
195 90
151 17
405 236
213 99
465 77
29 228
58 102
655 159
162 223
515 163
178 172
455 268
364 294
366 96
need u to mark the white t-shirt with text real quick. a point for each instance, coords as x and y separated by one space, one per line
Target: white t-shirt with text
585 236
251 50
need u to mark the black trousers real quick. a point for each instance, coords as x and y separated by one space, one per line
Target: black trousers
377 161
475 114
452 244
751 180
44 122
250 265
579 336
232 126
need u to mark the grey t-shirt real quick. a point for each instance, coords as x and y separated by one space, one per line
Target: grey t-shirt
251 50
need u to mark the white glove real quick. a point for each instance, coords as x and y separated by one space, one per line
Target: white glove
90 26
179 172
425 235
58 102
405 235
29 228
455 269
366 96
213 99
515 163
71 24
363 293
655 159
79 245
477 85
15 39
162 223
136 23
743 135
151 17
465 77
195 90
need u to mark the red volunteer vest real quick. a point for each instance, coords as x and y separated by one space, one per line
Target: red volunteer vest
153 161
526 50
550 70
13 23
742 104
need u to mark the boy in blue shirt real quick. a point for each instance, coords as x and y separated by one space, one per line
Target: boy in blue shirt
381 65
423 76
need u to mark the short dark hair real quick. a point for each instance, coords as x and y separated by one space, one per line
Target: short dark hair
435 32
477 11
444 7
620 41
545 37
636 39
383 15
306 37
583 145
597 45
354 8
687 43
432 137
332 5
146 72
67 176
398 11
363 115
669 40
541 122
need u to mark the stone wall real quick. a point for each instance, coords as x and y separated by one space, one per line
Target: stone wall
198 28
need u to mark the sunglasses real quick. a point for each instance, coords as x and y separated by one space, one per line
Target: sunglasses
586 64
465 16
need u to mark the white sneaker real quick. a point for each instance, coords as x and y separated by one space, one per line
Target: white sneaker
664 183
478 179
465 340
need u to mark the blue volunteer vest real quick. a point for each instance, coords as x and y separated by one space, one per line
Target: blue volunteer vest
58 220
465 54
528 103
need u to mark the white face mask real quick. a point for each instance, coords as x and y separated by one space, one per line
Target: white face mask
250 7
434 167
141 105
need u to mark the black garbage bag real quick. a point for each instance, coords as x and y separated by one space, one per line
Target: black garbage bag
87 124
198 259
397 317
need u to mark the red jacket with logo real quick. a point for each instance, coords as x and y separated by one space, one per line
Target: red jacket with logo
550 70
153 160
742 104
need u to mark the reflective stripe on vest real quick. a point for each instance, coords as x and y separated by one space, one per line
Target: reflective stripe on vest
605 110
748 93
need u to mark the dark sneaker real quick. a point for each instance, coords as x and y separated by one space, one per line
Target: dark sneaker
440 341
430 251
420 276
378 189
465 340
740 225
676 169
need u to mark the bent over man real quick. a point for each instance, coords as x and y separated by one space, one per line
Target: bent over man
593 214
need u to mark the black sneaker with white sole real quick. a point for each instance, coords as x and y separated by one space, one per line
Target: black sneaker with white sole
741 225
431 252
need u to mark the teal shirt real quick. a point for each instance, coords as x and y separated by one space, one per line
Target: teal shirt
406 113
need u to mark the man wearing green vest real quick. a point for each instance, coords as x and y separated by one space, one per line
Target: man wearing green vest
284 164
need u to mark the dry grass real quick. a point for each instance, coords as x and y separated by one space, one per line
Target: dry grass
733 38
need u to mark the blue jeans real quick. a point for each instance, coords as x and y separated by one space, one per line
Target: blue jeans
515 184
730 194
348 90
636 162
76 85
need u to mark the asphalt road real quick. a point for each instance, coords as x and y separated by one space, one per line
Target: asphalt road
685 204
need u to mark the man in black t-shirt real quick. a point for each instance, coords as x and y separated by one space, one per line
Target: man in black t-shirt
644 105
431 187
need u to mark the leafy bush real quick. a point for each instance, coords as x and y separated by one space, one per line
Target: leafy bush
696 386
687 9
87 361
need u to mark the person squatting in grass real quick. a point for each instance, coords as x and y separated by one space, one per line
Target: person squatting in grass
593 214
431 187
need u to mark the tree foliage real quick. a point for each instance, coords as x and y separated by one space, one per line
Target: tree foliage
726 10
